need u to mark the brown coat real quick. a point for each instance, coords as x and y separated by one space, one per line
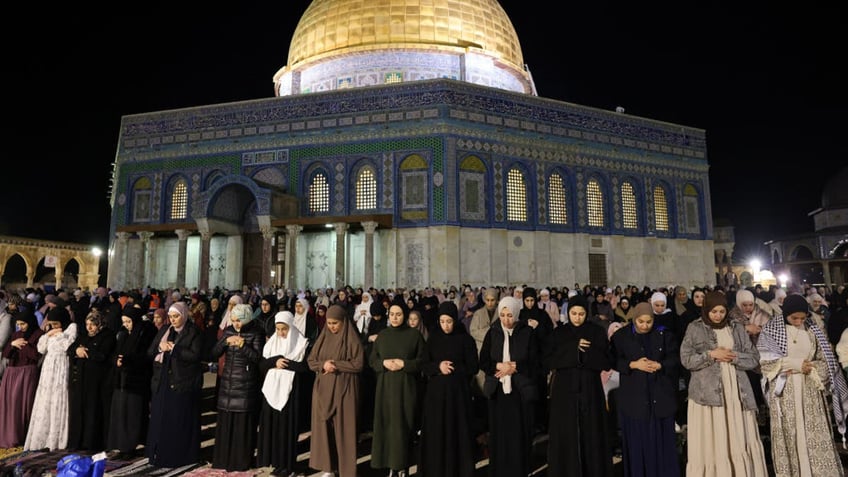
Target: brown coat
335 398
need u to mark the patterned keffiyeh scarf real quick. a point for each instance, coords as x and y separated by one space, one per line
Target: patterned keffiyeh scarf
772 345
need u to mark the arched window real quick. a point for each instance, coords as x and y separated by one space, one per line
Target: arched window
319 193
516 196
595 203
691 209
660 209
556 200
366 189
472 180
179 200
629 212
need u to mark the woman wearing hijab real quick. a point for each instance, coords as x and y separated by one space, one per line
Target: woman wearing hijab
753 318
49 424
447 436
646 357
305 323
160 317
91 359
819 311
17 388
173 439
337 359
266 313
416 321
368 377
510 358
800 367
723 436
362 314
543 327
234 300
238 396
623 311
320 317
130 406
578 425
662 313
396 359
210 332
283 363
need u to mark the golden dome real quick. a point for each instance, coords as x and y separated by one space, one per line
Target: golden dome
330 27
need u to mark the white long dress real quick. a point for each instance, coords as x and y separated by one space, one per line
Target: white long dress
724 441
48 426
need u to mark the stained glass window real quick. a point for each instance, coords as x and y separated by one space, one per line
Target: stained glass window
319 193
660 209
516 196
595 203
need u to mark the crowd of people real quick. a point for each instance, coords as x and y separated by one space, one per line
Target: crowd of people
436 378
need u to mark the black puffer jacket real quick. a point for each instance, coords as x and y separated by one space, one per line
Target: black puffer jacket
238 390
185 371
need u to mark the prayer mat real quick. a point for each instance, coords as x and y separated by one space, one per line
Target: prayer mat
144 468
34 463
10 453
38 463
129 468
210 472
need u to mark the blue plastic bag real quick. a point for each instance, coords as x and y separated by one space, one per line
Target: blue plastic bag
75 465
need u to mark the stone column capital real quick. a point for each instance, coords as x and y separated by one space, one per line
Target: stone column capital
123 236
370 226
341 228
183 234
268 232
206 235
293 229
145 236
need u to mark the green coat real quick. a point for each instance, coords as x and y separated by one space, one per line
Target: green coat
396 396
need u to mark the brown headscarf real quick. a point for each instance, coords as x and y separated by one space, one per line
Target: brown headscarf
712 300
345 348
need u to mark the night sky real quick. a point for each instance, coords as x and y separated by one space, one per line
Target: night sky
764 81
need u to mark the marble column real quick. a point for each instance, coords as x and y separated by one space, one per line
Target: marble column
182 252
57 273
118 280
267 248
340 254
369 226
292 232
145 258
205 239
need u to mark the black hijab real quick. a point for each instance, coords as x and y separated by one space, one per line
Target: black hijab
27 316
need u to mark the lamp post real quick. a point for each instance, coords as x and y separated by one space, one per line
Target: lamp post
755 269
97 252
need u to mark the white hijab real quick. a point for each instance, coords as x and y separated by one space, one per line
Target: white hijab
362 320
300 320
515 306
278 382
225 320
